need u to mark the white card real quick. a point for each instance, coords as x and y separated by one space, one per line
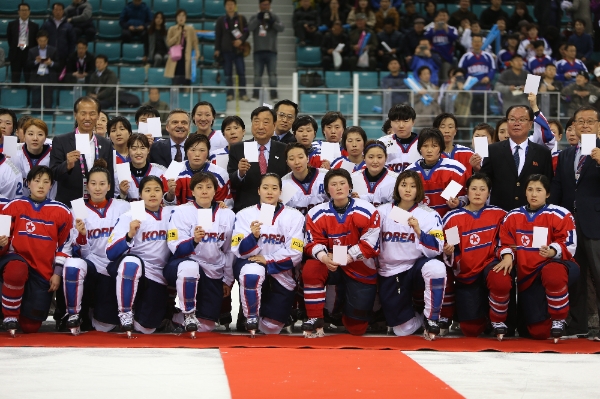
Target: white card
205 219
123 172
251 151
10 146
588 143
143 127
451 191
481 146
349 166
287 193
79 209
5 221
532 84
267 211
82 144
330 151
340 254
452 236
359 185
540 237
386 46
340 47
399 215
154 127
174 170
138 211
222 160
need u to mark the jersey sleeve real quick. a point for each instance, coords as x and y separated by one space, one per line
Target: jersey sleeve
507 242
541 131
229 255
315 241
565 238
431 240
117 242
291 254
64 242
12 183
180 235
368 244
243 242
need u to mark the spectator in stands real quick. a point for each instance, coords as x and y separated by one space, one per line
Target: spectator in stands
580 10
583 42
596 81
480 65
595 9
526 49
442 37
386 11
21 35
548 13
392 39
104 80
80 64
426 112
265 25
155 102
430 11
156 51
501 24
569 67
61 34
333 12
581 93
469 29
362 7
135 19
463 13
453 99
513 81
306 21
395 81
537 64
286 112
552 86
330 43
413 37
79 15
370 48
45 66
508 52
410 15
521 13
490 15
231 34
185 36
425 57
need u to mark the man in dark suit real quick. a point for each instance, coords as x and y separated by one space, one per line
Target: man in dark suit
164 151
106 95
576 187
80 64
286 112
21 34
512 161
61 34
245 176
45 67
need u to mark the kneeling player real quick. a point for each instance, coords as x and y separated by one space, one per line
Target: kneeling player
406 261
201 265
472 261
33 254
138 252
267 252
545 274
354 225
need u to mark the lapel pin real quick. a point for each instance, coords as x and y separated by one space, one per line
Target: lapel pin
535 163
276 157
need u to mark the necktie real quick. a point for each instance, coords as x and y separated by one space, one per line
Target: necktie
178 153
517 158
579 166
262 161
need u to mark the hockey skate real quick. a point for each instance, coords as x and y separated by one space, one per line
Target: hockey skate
127 323
313 328
432 329
289 326
499 330
74 324
190 323
444 325
252 326
10 324
558 329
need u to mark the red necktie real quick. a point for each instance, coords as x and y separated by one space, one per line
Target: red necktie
262 161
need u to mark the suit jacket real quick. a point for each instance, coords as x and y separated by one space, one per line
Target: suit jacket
70 182
53 70
508 188
160 152
12 36
245 191
108 77
585 193
286 139
72 65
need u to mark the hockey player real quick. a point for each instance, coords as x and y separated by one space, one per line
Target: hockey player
201 264
8 125
32 256
119 131
138 253
407 260
233 129
10 176
85 273
473 259
544 273
203 115
305 130
333 125
267 255
348 223
402 143
448 126
353 142
379 180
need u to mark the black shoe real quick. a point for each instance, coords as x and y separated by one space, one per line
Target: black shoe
313 328
432 328
240 325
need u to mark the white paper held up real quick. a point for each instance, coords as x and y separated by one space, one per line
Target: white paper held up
222 160
174 170
588 142
205 219
532 84
330 151
267 211
288 192
540 237
251 151
359 185
481 146
143 127
340 254
138 211
82 144
452 190
154 127
5 221
123 172
399 215
79 209
452 236
10 146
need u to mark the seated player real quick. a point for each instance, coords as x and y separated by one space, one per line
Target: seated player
305 130
85 278
353 142
407 260
138 253
351 223
201 265
267 256
203 115
32 256
307 179
472 261
545 274
233 129
448 125
379 180
119 132
402 143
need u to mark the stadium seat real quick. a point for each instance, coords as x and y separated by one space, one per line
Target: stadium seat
3 74
109 29
308 56
138 93
38 21
168 7
95 6
368 80
198 25
208 54
451 8
313 103
13 98
218 100
209 25
3 27
132 76
478 8
156 77
9 6
38 7
345 102
366 103
66 99
63 124
187 100
112 7
509 9
4 46
111 50
338 79
130 118
530 9
133 53
165 95
372 127
209 77
193 8
48 118
213 8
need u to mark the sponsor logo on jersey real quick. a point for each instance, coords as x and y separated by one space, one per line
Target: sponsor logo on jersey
273 238
159 235
99 233
213 237
236 239
297 244
111 238
396 236
172 235
437 234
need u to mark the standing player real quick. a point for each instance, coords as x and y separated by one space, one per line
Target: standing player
267 256
233 129
353 143
379 180
305 130
307 179
333 125
10 176
203 115
8 125
448 126
402 143
119 132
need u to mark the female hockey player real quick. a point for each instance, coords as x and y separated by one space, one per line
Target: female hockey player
233 129
378 180
448 126
267 254
353 143
119 131
201 265
305 130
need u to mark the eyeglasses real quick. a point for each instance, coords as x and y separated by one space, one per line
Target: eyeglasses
521 121
289 117
588 122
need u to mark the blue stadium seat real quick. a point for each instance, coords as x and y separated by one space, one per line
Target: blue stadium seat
198 25
509 9
168 24
451 8
156 77
132 76
65 99
4 46
133 53
9 6
112 7
209 25
313 103
218 100
213 8
48 118
142 95
209 77
13 98
168 7
109 29
367 102
39 21
111 50
165 95
478 8
129 117
338 79
3 27
346 102
192 7
208 54
308 56
368 80
38 7
95 6
4 74
63 124
530 9
187 100
372 127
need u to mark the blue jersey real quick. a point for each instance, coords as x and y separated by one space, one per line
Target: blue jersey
442 41
504 57
478 65
537 65
571 68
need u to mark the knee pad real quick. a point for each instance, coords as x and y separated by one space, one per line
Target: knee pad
77 263
354 326
408 328
15 273
540 330
29 326
498 282
251 276
269 326
188 268
472 328
130 268
433 269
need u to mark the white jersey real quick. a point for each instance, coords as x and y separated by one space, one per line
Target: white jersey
99 225
309 193
281 244
149 244
213 253
217 141
378 192
3 202
400 245
25 163
133 194
11 182
399 155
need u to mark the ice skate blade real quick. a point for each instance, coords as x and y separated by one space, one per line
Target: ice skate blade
390 331
130 335
13 333
556 340
319 333
428 336
252 333
500 337
75 331
193 334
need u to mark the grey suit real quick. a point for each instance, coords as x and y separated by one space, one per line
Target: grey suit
107 96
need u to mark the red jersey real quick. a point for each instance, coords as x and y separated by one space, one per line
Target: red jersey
183 193
461 154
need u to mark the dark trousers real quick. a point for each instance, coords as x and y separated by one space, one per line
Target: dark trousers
266 59
312 38
128 36
229 59
18 65
36 92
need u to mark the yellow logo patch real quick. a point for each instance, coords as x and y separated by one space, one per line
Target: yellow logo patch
110 238
437 234
172 235
235 240
297 244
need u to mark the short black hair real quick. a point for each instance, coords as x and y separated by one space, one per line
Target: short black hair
102 57
479 176
370 144
476 35
138 137
409 174
570 122
430 133
516 55
286 102
146 109
291 146
151 178
23 4
232 119
336 172
586 108
440 11
82 40
387 125
305 120
484 126
42 33
422 68
113 122
331 117
40 170
579 20
558 124
262 109
86 99
57 4
353 129
206 103
13 116
527 107
275 175
538 43
200 177
402 112
444 115
541 178
194 139
389 21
